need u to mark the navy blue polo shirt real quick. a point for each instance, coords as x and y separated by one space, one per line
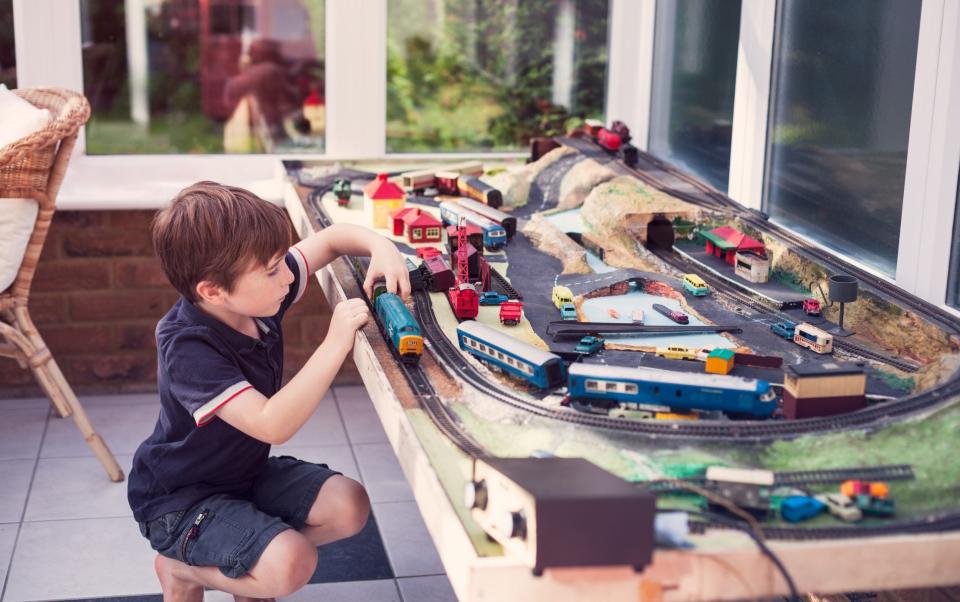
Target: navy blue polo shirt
201 365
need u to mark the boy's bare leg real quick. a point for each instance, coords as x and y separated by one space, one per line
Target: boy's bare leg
340 510
285 566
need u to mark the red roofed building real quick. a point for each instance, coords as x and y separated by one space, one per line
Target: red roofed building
380 198
724 242
420 225
474 237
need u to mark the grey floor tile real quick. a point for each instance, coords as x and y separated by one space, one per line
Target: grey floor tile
21 430
89 558
24 403
123 427
8 535
381 590
77 488
337 457
408 543
15 477
352 394
435 588
323 428
381 473
361 420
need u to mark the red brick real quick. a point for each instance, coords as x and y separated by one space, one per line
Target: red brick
64 340
110 368
314 329
118 305
137 337
12 375
48 308
292 332
79 219
140 273
133 220
77 274
107 242
52 247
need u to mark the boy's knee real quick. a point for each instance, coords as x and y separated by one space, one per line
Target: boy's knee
356 509
288 563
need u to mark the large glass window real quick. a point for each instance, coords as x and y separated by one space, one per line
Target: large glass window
8 54
953 286
465 75
695 72
839 123
204 76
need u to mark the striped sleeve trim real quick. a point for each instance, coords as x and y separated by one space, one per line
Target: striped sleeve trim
204 413
304 267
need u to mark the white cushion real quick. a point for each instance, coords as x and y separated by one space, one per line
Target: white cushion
17 217
19 118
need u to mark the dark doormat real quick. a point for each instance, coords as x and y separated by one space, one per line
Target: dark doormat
358 558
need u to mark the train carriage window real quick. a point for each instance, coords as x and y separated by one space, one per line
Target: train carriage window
591 385
630 388
483 75
611 386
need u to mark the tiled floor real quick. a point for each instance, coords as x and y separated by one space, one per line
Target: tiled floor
66 531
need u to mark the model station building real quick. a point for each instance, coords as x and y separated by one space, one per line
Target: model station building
380 198
823 389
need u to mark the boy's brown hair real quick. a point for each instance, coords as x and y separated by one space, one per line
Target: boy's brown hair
215 232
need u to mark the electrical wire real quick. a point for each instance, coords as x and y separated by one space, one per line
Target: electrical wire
794 595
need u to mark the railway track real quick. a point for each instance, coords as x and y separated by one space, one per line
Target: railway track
890 472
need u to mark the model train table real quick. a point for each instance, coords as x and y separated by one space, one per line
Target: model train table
602 269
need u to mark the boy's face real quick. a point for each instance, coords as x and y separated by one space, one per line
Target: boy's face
259 291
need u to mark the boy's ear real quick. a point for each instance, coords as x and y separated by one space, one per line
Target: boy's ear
210 292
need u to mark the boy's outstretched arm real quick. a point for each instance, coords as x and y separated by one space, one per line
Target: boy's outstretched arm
277 419
386 262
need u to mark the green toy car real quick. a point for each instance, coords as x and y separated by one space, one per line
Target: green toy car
589 345
568 311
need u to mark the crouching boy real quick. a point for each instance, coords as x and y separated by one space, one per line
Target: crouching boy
220 512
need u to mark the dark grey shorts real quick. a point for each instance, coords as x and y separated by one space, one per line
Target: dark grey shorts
231 532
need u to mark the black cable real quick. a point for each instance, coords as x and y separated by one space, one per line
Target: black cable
794 595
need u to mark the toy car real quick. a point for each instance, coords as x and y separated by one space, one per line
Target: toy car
677 316
812 307
589 345
841 507
492 298
561 295
677 352
855 488
797 508
568 311
784 329
510 313
424 252
874 506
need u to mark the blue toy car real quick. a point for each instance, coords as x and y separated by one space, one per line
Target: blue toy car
797 508
492 298
568 311
589 345
784 329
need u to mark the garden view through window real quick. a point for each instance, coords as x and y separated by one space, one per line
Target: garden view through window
953 287
840 121
486 75
204 76
695 72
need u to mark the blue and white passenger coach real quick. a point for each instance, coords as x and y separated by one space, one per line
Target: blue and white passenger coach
494 235
542 368
679 390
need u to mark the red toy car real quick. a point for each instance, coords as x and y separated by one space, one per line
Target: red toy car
510 313
425 252
812 307
608 140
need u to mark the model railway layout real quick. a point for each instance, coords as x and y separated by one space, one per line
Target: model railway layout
666 179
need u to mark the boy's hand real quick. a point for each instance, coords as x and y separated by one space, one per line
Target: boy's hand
349 316
386 262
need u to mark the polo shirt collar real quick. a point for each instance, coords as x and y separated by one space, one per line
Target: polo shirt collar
192 314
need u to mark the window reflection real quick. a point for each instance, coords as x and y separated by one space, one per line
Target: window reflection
695 70
489 74
953 287
840 119
204 76
8 54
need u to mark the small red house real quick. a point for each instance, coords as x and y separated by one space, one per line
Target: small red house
420 226
724 242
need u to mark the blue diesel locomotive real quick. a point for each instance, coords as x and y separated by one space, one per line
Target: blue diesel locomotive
542 368
603 384
494 235
401 328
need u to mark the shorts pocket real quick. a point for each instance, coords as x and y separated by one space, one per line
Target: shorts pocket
216 541
162 531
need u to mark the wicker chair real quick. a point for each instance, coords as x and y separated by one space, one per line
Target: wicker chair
33 167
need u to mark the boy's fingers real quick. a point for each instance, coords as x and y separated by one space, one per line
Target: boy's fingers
391 283
368 284
405 287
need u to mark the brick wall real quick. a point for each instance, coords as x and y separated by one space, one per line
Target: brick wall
96 298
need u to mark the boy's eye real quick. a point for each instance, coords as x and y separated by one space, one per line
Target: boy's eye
273 272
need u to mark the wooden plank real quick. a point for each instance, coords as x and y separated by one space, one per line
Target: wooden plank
722 566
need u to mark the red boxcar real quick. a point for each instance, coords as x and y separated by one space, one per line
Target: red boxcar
511 312
439 273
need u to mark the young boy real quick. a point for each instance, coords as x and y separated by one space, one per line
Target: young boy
220 512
